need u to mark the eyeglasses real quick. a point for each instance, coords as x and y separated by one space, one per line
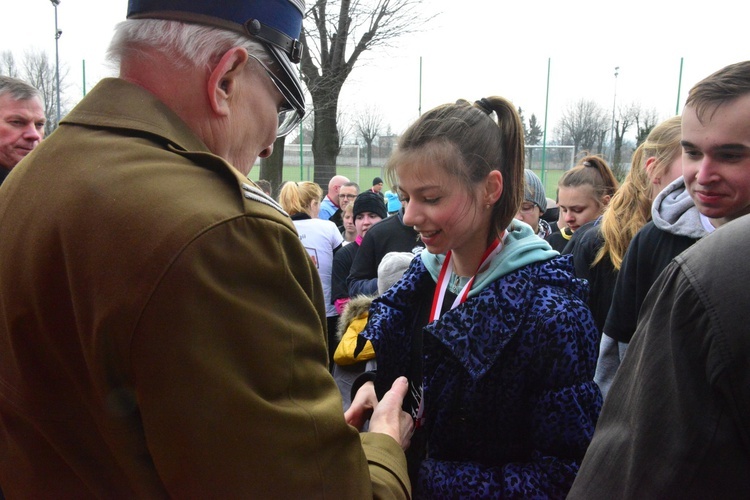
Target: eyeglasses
292 111
527 207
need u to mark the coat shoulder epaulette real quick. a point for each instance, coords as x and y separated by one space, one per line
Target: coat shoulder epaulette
254 193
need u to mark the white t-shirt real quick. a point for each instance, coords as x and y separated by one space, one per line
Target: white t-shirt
706 222
320 237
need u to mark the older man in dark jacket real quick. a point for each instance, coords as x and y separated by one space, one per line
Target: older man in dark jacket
162 329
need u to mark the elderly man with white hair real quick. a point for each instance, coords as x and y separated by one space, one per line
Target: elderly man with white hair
162 328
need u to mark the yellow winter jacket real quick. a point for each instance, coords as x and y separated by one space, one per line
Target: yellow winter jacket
352 348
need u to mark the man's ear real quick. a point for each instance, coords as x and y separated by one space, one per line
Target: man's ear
222 80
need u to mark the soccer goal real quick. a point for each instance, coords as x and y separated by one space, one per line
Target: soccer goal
549 163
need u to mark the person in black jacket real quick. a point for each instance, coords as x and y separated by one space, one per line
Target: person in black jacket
390 235
367 211
598 247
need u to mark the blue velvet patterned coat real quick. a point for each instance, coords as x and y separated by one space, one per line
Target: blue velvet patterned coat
510 404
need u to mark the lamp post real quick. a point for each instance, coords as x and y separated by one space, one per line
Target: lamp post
58 32
614 103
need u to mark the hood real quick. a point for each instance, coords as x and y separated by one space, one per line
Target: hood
521 247
673 211
357 307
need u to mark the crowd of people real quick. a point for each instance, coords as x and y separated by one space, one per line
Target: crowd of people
169 328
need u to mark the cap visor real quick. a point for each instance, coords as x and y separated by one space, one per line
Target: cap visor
288 75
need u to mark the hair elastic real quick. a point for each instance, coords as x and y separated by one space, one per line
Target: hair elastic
484 105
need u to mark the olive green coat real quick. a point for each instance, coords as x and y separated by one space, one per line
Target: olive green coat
162 329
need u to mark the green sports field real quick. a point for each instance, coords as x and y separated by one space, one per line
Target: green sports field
364 175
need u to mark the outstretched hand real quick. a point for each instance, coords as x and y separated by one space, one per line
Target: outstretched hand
388 417
362 406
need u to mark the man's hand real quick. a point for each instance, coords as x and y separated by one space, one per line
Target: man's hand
387 416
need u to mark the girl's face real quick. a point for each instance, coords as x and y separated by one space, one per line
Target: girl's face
365 221
446 215
672 172
578 205
349 226
530 213
314 208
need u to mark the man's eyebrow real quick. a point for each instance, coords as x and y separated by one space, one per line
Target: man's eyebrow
733 147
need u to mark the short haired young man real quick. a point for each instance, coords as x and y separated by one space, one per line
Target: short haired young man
675 422
714 189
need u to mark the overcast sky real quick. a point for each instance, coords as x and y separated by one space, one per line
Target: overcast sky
472 49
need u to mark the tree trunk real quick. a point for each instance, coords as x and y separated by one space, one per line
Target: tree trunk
271 168
369 153
325 143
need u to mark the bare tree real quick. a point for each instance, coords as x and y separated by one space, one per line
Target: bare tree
369 124
345 127
8 64
645 121
40 72
335 35
626 116
584 124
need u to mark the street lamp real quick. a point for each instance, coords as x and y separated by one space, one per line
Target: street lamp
58 32
614 103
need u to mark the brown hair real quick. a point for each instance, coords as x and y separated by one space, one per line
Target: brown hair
468 143
725 85
592 171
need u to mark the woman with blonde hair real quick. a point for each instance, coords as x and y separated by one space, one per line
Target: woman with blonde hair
321 238
598 253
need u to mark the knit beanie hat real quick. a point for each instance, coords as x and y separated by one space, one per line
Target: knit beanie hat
376 181
367 201
391 268
534 190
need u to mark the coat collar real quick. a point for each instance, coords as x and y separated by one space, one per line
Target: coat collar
473 335
117 103
477 331
135 109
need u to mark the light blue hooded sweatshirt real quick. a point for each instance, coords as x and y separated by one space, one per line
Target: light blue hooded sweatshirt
521 247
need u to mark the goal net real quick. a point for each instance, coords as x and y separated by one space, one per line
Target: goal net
549 163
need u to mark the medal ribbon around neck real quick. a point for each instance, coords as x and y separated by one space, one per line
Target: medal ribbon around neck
444 278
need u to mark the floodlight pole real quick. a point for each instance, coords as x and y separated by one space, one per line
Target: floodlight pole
544 139
679 86
58 32
420 86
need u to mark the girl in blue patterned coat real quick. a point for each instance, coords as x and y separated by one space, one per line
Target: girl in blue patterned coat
489 323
